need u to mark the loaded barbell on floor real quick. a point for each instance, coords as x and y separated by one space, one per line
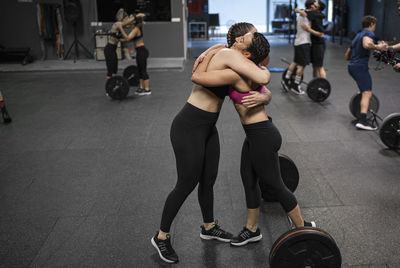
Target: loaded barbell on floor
318 89
389 130
290 177
305 247
117 87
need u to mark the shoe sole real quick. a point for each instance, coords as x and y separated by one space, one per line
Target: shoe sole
364 127
144 94
209 237
296 92
159 252
251 240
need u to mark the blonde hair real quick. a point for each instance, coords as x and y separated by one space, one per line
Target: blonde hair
121 13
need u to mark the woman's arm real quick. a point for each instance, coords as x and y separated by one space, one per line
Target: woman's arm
131 35
245 67
204 54
213 78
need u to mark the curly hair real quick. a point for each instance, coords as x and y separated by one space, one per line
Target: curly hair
259 48
236 30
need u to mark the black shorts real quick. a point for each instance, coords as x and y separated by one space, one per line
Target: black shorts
317 55
302 54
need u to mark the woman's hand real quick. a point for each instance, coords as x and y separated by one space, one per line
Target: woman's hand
256 98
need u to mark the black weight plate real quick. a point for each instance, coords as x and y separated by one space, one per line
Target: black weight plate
117 87
318 89
354 105
290 176
131 74
305 247
390 131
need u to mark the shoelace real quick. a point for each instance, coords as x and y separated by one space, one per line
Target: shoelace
245 234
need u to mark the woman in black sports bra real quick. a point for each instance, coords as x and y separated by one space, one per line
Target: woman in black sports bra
136 35
195 141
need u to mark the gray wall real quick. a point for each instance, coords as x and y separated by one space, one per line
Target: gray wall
18 28
387 27
385 11
355 15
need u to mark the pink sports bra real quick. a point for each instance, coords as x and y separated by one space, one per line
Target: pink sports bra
237 96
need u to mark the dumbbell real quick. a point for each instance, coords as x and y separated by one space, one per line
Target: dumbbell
290 177
318 89
389 130
117 87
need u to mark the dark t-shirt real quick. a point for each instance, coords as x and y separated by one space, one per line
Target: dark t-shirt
360 55
316 24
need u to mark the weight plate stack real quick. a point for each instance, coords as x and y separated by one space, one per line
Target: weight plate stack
131 74
117 88
390 131
318 89
305 247
290 176
354 105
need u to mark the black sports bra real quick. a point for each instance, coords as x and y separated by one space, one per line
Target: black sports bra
138 37
221 91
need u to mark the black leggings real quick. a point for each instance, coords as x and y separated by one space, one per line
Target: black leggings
110 53
141 59
260 162
195 141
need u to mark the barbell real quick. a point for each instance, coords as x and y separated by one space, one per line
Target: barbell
318 89
117 87
290 177
389 130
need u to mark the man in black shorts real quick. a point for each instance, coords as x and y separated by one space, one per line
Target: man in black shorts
317 42
302 45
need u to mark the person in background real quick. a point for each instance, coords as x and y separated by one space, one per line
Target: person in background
358 54
142 53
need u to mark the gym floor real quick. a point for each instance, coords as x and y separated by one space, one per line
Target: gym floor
83 179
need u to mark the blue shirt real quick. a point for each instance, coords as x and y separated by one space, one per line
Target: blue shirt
360 55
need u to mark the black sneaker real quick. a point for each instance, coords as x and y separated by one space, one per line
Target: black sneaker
310 224
246 236
6 116
306 223
215 233
164 248
365 125
296 89
139 91
144 92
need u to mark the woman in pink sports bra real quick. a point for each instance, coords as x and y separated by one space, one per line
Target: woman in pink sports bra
259 159
195 141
